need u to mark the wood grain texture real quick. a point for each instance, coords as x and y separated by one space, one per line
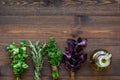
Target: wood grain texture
101 31
66 7
38 20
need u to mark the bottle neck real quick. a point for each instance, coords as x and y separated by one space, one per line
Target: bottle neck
103 60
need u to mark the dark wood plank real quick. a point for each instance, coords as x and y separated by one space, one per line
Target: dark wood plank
36 20
24 32
89 7
65 78
58 20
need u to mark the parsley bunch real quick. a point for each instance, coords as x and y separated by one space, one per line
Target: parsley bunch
18 55
54 56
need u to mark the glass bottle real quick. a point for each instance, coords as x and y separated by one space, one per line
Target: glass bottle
100 59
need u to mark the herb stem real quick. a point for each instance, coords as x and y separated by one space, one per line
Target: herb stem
55 74
18 78
72 74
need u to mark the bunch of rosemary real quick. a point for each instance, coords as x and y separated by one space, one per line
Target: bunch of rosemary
37 57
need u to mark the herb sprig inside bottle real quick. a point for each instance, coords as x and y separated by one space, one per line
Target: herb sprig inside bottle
74 55
37 51
18 55
54 56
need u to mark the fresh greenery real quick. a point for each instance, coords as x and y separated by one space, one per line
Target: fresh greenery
18 55
37 57
54 56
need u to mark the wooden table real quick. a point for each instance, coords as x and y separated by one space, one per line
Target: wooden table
102 31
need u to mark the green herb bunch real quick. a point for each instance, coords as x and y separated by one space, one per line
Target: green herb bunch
54 56
37 52
18 55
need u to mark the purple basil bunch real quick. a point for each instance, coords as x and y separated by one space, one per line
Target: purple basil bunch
74 54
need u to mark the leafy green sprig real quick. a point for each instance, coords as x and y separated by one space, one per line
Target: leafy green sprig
37 51
18 55
54 56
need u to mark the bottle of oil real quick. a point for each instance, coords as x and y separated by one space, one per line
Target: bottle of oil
100 59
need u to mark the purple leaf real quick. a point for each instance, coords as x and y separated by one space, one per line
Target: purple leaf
74 54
